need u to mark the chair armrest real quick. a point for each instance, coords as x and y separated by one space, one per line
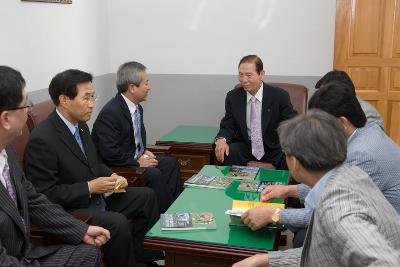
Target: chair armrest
135 175
42 238
159 150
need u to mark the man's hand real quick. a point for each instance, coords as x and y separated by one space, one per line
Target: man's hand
102 185
258 260
258 217
96 236
147 160
221 149
278 191
123 183
150 154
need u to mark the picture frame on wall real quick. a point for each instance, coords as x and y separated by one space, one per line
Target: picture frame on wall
51 1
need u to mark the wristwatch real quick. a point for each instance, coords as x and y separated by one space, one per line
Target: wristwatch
276 216
216 139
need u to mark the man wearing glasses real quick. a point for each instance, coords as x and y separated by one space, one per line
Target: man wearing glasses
61 161
21 204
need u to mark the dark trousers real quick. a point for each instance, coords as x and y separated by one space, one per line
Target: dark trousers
126 244
240 154
165 180
69 255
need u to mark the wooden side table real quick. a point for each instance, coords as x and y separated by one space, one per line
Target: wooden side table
192 146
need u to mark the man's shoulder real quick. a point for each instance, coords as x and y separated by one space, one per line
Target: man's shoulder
43 128
112 107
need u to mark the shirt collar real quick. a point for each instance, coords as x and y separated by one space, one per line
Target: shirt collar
259 94
131 106
352 135
314 195
70 126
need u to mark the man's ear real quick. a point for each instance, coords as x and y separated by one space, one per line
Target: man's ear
344 121
5 120
63 99
132 88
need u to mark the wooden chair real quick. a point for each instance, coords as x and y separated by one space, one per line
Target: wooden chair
298 96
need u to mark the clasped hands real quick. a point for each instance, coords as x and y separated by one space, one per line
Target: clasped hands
113 183
148 159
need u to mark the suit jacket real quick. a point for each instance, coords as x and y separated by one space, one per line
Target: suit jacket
352 225
58 168
113 133
15 246
276 107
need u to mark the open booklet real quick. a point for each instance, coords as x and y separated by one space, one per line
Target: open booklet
199 180
239 207
187 221
242 172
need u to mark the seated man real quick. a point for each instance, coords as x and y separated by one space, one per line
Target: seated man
61 161
120 136
252 114
21 204
369 148
370 111
352 223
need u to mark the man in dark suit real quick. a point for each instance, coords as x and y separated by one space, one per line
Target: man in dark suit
252 115
61 161
120 135
21 204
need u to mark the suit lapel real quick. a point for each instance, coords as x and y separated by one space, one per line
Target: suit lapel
307 242
266 108
124 108
8 204
242 109
67 137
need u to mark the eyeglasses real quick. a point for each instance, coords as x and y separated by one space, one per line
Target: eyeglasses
29 107
88 99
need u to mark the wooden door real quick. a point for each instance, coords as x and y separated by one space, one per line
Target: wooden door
367 47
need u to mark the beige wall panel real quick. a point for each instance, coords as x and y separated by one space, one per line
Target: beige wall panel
393 127
365 78
367 28
396 30
395 80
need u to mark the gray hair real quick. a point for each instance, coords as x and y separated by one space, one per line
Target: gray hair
317 140
129 73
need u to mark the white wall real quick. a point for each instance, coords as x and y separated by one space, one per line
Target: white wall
293 37
41 39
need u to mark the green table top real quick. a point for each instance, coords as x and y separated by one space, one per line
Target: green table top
263 175
217 202
191 134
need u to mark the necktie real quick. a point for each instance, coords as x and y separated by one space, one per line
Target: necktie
78 139
9 185
138 134
257 146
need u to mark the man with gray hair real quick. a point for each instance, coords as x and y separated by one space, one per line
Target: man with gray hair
369 148
120 135
352 223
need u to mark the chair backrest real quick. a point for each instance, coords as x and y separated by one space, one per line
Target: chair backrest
298 95
41 111
20 142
